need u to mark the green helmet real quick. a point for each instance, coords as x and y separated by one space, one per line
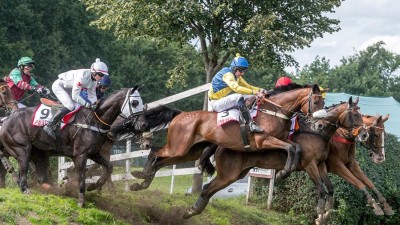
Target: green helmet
25 61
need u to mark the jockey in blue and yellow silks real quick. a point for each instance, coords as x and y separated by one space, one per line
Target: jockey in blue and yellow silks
229 89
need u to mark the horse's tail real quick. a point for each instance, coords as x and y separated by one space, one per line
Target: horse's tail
205 162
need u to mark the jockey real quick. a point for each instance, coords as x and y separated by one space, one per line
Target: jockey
20 80
283 81
229 89
102 86
76 80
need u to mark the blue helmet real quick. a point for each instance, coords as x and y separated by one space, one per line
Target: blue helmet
105 81
239 61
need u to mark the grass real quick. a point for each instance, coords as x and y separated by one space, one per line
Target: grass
152 206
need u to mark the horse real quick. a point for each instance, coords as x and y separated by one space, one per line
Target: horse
80 139
341 160
190 132
315 151
157 119
8 104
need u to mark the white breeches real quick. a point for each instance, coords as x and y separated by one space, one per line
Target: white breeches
62 95
225 102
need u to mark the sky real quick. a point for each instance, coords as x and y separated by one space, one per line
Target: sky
362 22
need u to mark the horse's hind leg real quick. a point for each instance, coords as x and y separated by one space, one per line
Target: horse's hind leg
98 158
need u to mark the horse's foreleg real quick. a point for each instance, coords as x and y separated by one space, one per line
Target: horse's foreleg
3 173
23 170
148 169
356 170
377 210
80 166
296 156
386 208
98 158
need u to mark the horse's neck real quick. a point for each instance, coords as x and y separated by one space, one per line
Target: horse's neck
335 113
291 101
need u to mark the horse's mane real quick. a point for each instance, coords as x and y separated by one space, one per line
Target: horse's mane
333 105
160 115
288 87
112 95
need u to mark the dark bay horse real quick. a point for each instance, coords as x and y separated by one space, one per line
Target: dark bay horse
80 140
157 119
315 151
341 160
190 132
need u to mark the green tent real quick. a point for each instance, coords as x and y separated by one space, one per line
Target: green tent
373 106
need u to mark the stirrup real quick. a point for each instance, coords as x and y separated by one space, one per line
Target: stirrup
254 128
50 131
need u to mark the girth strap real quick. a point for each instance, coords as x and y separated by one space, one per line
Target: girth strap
102 131
243 133
342 140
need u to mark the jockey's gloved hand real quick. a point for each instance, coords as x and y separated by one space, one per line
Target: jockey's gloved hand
45 91
39 89
91 106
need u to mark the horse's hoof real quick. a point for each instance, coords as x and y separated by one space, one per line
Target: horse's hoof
378 211
135 187
91 187
27 191
80 204
138 175
190 212
387 210
46 186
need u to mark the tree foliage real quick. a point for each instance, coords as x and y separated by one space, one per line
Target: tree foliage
264 31
370 72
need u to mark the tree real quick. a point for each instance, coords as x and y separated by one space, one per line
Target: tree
263 31
371 72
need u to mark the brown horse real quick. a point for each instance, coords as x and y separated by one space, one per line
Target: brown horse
315 151
8 104
190 132
341 160
80 140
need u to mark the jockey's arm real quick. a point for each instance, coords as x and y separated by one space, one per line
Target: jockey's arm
238 87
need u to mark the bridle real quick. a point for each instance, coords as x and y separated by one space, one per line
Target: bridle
7 101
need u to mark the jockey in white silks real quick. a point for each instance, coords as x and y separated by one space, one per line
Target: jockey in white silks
68 87
229 89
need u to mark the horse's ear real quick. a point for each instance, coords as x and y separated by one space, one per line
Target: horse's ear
315 88
137 87
350 102
378 120
356 101
385 118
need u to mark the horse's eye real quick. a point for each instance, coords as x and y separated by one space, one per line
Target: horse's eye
134 103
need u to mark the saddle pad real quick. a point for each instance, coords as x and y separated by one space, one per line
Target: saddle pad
43 114
294 126
232 115
49 102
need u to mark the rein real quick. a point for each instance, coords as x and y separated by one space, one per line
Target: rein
97 116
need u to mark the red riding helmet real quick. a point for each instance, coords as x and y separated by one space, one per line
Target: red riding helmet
283 81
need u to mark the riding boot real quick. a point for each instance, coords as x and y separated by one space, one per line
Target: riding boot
253 126
51 127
